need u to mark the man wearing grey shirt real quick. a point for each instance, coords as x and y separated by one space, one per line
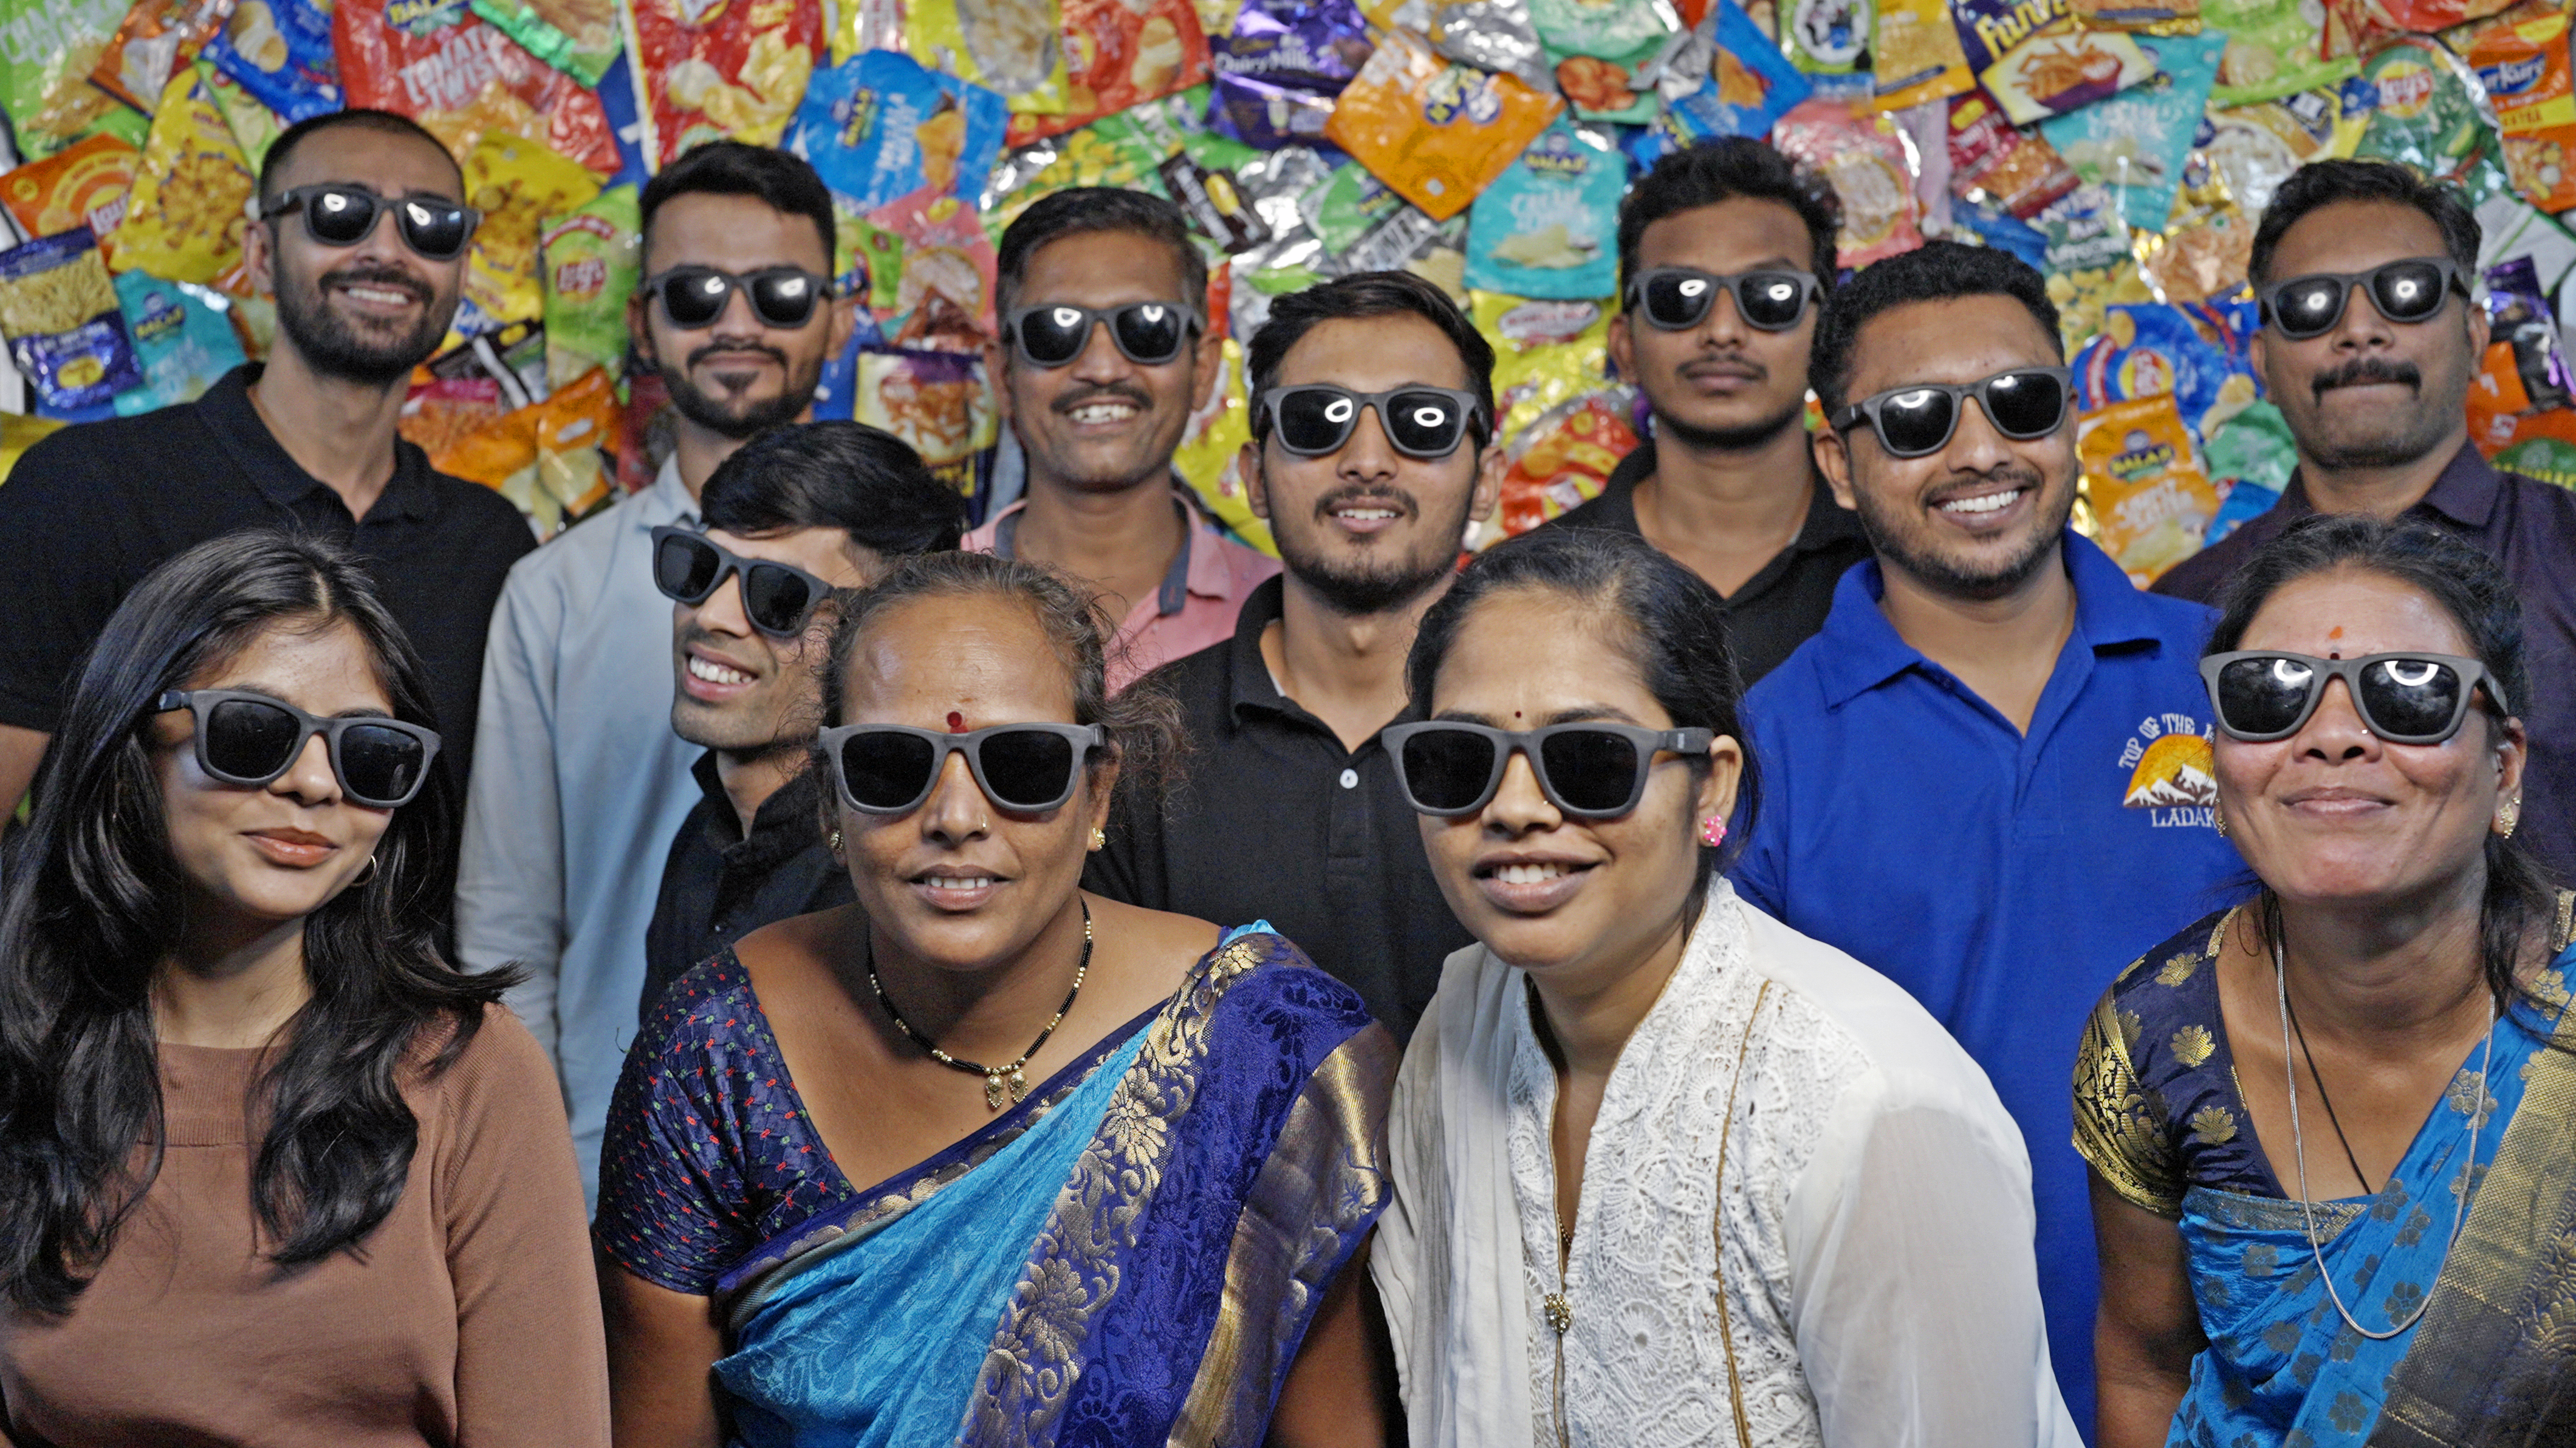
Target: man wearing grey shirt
573 805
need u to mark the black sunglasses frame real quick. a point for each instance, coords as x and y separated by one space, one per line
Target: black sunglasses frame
1634 300
1015 331
1867 409
2473 676
301 199
819 291
203 702
1083 737
730 563
1471 415
2346 283
1531 744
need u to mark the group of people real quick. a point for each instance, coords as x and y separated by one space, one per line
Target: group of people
1796 950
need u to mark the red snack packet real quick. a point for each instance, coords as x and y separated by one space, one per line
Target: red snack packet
157 38
1119 55
1564 457
943 297
735 70
462 79
1860 154
2018 168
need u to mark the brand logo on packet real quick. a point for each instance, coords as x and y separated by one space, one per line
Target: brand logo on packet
161 317
2140 455
2406 89
1457 92
2514 76
581 278
420 17
2170 771
1555 155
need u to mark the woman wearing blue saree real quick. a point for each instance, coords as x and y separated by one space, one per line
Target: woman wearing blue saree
2333 1131
1123 1166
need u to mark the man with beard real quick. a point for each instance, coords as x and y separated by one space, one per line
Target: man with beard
565 831
1988 776
1725 250
2370 340
361 237
1372 450
1104 350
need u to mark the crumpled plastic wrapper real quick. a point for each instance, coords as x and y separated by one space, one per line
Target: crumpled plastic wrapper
1488 34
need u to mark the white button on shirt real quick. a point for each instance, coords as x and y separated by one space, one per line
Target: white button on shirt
1350 779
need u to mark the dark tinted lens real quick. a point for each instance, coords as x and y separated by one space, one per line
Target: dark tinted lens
1028 768
434 229
1772 300
1678 301
249 740
2414 697
1424 422
1592 769
784 298
2408 291
1446 769
2025 404
340 218
379 765
886 770
685 568
2307 307
1314 420
695 296
1053 336
2263 696
1913 423
775 598
1151 332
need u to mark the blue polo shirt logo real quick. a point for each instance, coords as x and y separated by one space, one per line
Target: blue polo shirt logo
2171 775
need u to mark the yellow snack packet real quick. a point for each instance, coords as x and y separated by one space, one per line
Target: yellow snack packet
1015 47
1434 132
2150 500
1917 55
185 219
1210 457
516 184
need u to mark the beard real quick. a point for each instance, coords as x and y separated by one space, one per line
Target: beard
1728 439
334 346
1901 542
738 417
1370 584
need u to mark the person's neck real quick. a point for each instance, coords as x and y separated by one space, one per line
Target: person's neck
341 432
1726 511
749 779
2382 492
1345 669
699 449
1100 533
2005 648
1591 1013
231 983
2388 972
990 1014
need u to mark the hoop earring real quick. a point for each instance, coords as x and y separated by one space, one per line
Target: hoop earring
1712 831
367 871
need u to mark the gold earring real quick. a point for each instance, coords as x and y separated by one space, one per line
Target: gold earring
2509 817
2218 819
367 871
1099 838
834 843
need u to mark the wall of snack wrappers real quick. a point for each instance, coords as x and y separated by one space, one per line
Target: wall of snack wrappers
2126 147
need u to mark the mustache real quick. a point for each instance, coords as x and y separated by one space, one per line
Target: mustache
390 277
1124 392
1378 493
1726 361
2362 371
721 350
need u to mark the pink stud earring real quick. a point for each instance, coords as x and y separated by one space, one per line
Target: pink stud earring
1712 831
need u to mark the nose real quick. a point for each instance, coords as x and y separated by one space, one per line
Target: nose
723 612
2335 731
1975 446
1367 455
1519 806
956 810
1100 361
2361 328
1724 326
309 780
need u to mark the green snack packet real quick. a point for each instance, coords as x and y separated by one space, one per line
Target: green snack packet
1347 206
577 37
254 125
47 48
2431 113
1597 50
2545 458
2254 445
2271 52
1116 150
589 260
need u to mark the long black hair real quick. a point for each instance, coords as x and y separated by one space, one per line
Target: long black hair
2480 599
1670 623
94 901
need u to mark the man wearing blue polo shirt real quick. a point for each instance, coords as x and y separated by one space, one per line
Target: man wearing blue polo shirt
1989 775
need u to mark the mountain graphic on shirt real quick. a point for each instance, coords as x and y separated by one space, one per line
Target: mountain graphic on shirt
2175 771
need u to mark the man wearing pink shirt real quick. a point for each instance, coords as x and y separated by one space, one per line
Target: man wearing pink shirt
1104 351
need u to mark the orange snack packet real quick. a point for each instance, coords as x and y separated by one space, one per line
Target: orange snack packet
1562 460
2525 69
84 185
1119 54
1434 132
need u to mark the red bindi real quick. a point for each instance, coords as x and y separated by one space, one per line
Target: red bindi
956 722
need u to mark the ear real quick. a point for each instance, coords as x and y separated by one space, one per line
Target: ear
997 376
1833 459
1104 787
1725 772
2255 351
1207 367
2512 752
1256 488
2481 332
1491 464
1623 348
259 258
639 329
845 321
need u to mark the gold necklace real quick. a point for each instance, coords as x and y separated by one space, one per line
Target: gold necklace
1011 1078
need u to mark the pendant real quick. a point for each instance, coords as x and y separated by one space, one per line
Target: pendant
992 1090
1560 1313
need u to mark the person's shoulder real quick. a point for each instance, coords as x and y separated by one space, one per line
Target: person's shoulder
118 454
1258 975
1794 687
1911 1060
497 1066
1201 683
474 508
2176 972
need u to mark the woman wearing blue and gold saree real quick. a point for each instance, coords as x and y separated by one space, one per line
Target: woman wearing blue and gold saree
2333 1131
1123 1167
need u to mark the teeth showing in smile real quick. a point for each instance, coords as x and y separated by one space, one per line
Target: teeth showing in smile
958 882
1104 411
386 295
715 673
1985 503
1529 874
1367 515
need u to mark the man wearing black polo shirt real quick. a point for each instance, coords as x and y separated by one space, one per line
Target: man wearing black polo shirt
1372 450
305 442
1725 252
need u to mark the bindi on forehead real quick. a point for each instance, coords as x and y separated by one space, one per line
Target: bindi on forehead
956 722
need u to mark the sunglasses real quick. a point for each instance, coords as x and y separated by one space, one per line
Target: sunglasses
2412 290
1675 298
783 297
251 740
1588 771
1148 334
1918 419
776 597
339 215
889 769
1315 419
2263 695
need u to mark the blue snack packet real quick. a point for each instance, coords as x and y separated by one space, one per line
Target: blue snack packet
2146 349
280 52
879 126
1278 72
183 340
1750 86
65 329
1548 226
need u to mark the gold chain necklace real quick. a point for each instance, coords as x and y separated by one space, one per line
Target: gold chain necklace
998 1080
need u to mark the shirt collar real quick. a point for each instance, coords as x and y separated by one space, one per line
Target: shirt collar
2465 493
1200 567
227 410
668 499
1858 649
1253 687
782 825
1828 523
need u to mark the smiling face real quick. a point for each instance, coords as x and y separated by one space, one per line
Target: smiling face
1984 514
2370 392
262 856
2336 814
738 376
1101 423
370 312
1721 384
1577 903
962 883
738 689
1369 529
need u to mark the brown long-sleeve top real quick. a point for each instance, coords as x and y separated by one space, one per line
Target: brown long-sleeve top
469 1317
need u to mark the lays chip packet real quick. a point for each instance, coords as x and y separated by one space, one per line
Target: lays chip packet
878 126
439 63
1437 133
46 52
1119 53
516 184
577 37
158 40
280 52
85 184
1012 47
1564 457
1862 155
590 260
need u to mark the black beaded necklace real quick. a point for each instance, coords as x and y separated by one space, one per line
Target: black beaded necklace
998 1080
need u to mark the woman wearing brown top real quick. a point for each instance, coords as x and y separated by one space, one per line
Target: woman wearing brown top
271 1171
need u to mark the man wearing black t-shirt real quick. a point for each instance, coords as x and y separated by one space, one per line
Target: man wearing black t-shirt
305 442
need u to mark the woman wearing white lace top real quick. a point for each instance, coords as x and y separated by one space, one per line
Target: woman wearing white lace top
1667 1172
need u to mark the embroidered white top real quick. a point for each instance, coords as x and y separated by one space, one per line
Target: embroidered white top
1872 1237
